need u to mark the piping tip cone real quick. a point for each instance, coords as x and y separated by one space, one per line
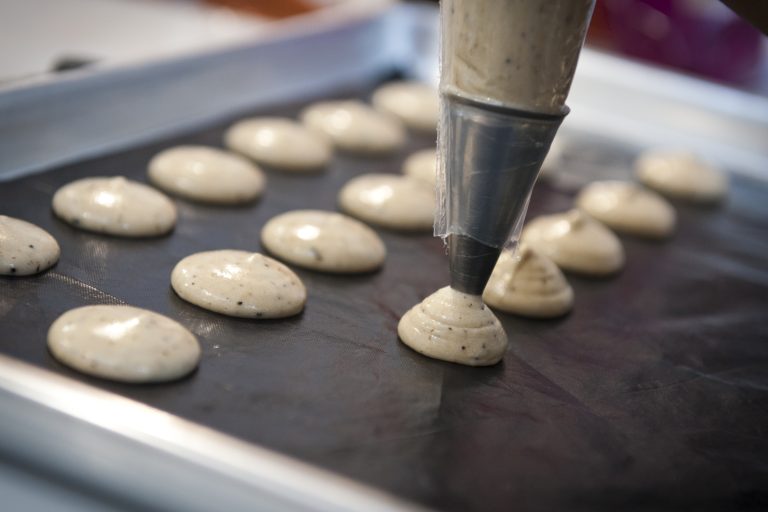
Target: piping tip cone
492 156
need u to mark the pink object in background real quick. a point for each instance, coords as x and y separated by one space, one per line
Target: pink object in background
699 36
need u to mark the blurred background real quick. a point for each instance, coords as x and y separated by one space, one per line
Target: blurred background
698 37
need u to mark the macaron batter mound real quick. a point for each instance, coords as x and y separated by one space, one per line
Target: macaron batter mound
455 327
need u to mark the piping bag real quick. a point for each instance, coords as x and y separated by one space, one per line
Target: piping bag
506 68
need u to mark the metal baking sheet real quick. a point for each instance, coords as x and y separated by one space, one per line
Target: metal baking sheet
651 394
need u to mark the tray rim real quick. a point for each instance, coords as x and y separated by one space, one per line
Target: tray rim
57 419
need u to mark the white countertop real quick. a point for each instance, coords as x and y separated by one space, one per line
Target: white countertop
40 32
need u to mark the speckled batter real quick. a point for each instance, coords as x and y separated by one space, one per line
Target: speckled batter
206 174
115 206
422 165
123 343
280 143
390 201
25 249
416 104
325 241
627 207
517 53
575 242
455 327
239 283
355 127
528 284
682 175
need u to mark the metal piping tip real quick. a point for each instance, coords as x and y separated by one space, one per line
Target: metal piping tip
491 157
471 263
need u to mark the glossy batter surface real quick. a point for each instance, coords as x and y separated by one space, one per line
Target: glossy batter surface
416 104
455 327
239 283
25 249
325 241
628 208
280 143
206 174
115 206
390 201
123 343
528 284
355 127
422 165
575 242
681 175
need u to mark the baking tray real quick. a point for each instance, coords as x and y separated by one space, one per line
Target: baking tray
650 394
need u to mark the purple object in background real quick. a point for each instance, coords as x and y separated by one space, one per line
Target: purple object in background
700 36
